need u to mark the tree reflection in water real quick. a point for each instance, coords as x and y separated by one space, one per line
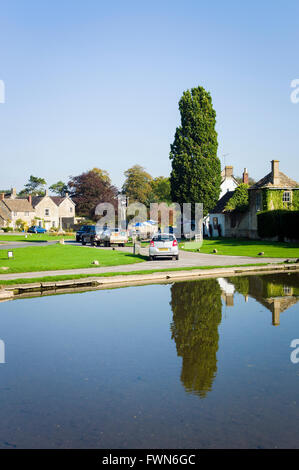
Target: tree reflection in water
196 308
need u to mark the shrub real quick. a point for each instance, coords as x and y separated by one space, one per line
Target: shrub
278 223
239 200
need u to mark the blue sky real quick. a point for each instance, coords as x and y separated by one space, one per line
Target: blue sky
97 83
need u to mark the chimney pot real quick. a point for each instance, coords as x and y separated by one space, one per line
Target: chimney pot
13 193
30 199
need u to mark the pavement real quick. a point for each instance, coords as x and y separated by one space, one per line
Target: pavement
187 259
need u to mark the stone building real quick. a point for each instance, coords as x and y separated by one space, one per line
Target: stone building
273 191
46 211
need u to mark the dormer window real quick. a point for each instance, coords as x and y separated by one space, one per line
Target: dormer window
287 196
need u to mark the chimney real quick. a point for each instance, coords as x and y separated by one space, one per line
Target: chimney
228 171
47 192
2 196
13 193
30 199
66 194
245 176
275 172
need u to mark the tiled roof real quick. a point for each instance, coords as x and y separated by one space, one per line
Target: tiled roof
56 199
284 182
221 204
4 213
18 205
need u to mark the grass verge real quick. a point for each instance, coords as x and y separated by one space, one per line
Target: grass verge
56 257
252 248
112 274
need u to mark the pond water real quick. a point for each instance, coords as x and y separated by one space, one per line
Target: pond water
197 364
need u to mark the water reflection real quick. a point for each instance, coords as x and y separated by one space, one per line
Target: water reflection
276 293
196 308
197 312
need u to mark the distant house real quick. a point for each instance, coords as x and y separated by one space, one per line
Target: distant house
228 182
217 216
274 191
13 209
46 211
54 211
228 185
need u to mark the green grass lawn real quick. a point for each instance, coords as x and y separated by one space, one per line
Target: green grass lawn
52 257
237 247
32 237
69 277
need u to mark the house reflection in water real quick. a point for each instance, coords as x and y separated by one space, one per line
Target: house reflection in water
275 292
197 313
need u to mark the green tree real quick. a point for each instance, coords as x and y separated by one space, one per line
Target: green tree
196 169
35 186
102 174
59 188
239 200
160 190
137 185
196 308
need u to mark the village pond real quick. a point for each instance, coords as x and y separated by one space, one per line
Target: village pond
197 364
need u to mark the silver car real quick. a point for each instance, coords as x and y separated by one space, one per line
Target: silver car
163 244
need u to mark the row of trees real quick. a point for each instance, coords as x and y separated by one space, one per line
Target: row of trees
195 175
94 186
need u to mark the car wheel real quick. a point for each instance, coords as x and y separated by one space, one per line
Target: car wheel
151 258
177 257
83 241
174 258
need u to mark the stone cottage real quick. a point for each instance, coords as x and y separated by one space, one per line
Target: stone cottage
274 191
13 209
46 211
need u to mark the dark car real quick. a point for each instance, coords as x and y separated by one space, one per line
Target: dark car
36 229
81 231
93 235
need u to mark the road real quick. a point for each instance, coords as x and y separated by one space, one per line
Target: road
187 259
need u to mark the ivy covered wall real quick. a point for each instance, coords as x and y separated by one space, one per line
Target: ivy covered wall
273 200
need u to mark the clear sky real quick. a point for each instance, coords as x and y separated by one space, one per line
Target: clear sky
96 83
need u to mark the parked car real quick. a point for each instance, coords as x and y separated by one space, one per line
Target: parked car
104 236
81 231
163 244
92 235
114 236
36 229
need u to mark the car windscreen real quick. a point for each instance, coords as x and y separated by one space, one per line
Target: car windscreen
162 238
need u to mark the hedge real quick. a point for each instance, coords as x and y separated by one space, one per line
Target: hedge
279 223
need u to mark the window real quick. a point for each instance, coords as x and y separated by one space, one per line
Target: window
258 202
27 214
287 290
215 222
47 211
286 196
71 209
15 214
